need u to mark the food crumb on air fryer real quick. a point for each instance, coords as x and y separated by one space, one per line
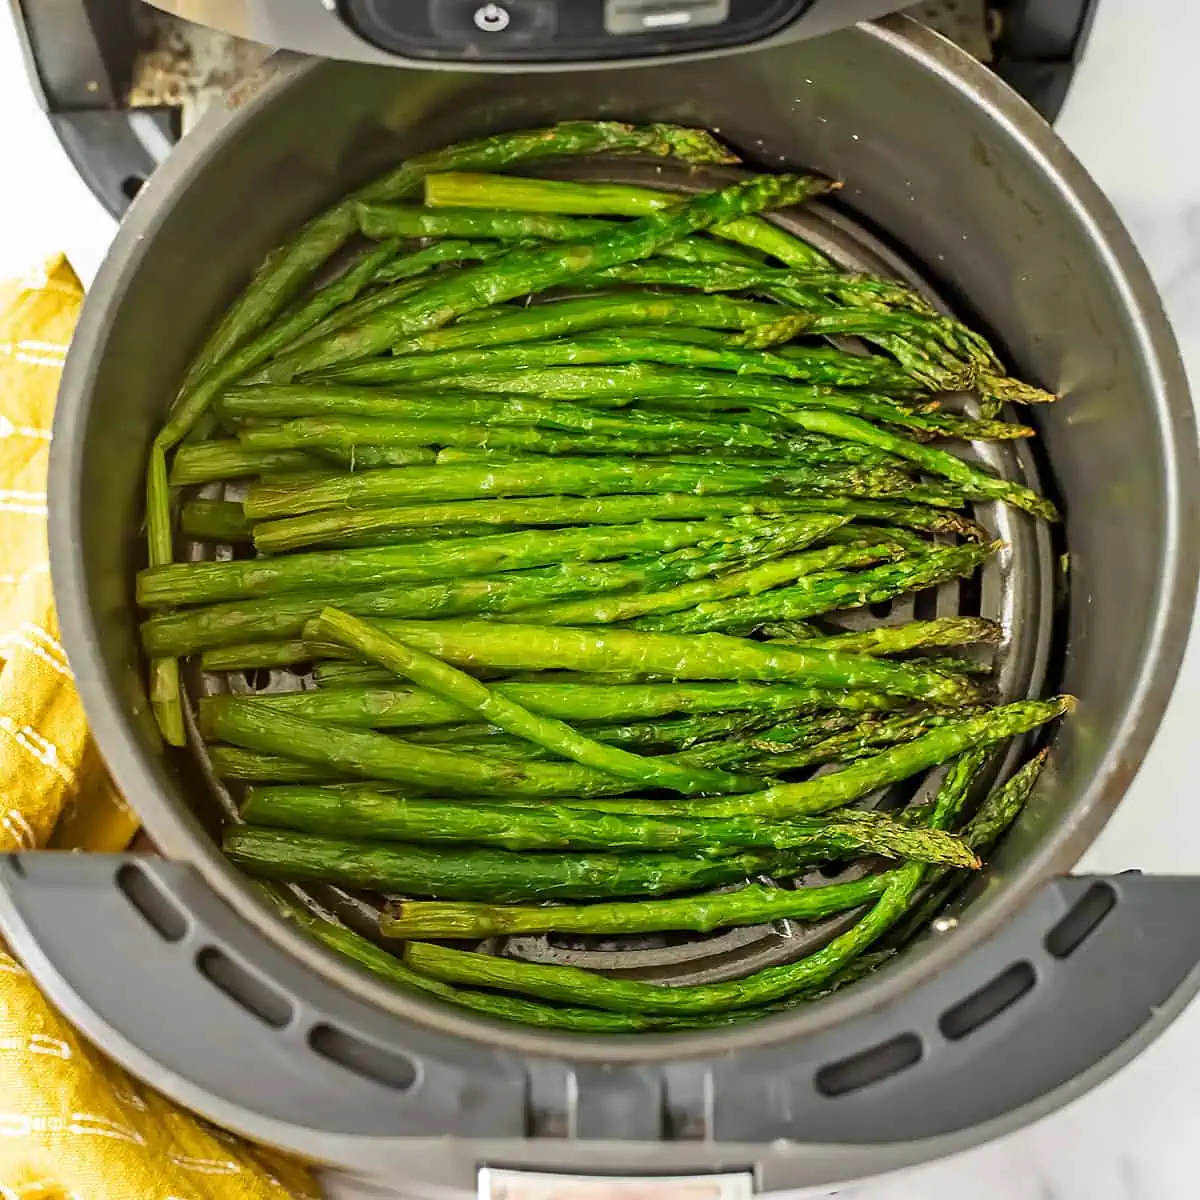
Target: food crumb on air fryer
567 559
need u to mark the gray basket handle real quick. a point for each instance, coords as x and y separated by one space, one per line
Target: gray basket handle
144 957
1084 978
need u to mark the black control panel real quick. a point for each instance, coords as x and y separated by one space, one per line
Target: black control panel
563 30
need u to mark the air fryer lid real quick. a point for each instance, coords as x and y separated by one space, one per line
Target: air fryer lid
316 1055
523 34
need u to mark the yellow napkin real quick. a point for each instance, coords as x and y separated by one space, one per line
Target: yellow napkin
73 1126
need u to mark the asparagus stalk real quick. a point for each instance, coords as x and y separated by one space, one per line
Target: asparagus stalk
575 477
809 597
456 189
553 319
574 985
772 984
372 707
286 270
825 792
204 582
261 656
753 904
631 347
379 962
249 766
604 610
366 754
285 616
214 521
522 271
677 735
314 400
380 221
847 745
444 253
914 635
522 647
164 681
500 876
350 435
208 462
1001 808
451 684
373 817
341 675
291 533
791 402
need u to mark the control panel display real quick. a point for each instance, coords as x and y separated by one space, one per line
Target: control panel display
563 30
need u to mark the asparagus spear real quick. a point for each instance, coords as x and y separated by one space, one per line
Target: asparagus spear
574 985
765 986
366 754
373 817
250 766
453 685
385 220
294 532
1001 808
313 400
581 315
848 745
198 583
625 606
632 347
678 735
975 483
805 289
809 597
214 521
373 707
522 271
791 402
284 616
497 875
207 462
164 681
754 904
380 221
787 800
506 1008
912 516
521 647
455 189
428 258
340 675
220 364
914 635
286 270
348 435
259 656
576 477
366 458
375 301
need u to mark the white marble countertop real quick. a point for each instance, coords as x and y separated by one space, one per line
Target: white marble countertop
1131 119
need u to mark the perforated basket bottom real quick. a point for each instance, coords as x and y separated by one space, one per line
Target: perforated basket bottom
1013 588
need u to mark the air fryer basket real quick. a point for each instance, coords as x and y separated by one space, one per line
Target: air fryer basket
178 970
1016 589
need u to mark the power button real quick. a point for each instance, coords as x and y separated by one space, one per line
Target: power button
495 27
492 18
